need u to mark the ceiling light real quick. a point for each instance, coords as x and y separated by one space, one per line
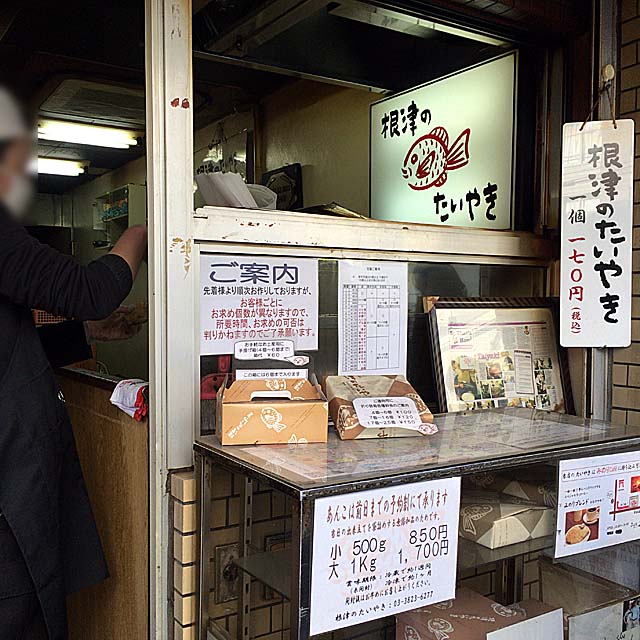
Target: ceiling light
89 134
56 167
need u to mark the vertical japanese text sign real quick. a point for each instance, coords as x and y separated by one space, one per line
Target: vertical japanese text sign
597 226
442 153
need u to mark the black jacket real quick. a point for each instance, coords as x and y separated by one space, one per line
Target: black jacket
42 492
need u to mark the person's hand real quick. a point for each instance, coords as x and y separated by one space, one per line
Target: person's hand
122 324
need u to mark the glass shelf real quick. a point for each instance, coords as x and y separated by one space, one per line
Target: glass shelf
472 555
272 569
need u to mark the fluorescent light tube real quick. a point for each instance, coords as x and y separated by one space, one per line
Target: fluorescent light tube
79 133
56 167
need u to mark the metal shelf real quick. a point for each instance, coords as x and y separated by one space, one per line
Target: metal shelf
272 569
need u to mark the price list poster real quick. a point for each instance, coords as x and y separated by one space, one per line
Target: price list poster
372 318
381 552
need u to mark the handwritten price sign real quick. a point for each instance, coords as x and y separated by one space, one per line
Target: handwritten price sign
378 553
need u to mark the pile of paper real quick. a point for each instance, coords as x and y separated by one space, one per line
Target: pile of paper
229 190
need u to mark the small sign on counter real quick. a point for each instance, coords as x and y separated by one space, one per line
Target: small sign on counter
598 503
381 552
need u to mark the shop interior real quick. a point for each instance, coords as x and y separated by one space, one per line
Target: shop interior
276 84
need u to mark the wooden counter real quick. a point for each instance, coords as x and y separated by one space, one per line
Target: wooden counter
113 450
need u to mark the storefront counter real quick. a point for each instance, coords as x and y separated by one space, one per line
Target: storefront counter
290 510
113 450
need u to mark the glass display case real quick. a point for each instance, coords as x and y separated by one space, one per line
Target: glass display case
340 539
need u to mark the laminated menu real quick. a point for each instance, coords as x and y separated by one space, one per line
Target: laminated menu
377 407
495 520
470 616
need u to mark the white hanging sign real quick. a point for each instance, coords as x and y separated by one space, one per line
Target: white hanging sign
597 228
377 553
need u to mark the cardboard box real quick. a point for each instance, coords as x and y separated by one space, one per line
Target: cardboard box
536 485
469 616
495 520
343 390
271 412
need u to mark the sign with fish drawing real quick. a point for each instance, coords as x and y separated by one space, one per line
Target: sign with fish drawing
443 153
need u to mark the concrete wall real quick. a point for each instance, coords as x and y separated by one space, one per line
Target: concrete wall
626 370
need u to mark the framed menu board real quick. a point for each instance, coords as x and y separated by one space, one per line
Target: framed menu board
497 352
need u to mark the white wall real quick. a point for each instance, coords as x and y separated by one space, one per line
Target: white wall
326 130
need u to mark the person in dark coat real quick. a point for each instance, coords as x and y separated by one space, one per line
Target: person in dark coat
49 545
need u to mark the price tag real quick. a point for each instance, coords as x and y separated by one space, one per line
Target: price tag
380 552
380 413
264 349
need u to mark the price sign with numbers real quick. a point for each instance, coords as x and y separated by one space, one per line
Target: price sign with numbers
388 412
380 552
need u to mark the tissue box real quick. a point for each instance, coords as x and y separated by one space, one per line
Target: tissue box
495 520
274 411
469 617
343 390
536 485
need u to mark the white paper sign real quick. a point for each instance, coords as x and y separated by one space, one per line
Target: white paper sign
257 298
548 626
598 503
442 153
271 374
264 349
388 412
372 317
597 228
378 553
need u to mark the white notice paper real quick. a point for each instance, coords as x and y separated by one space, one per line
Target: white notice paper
264 349
548 626
372 318
377 553
596 234
272 374
598 503
257 298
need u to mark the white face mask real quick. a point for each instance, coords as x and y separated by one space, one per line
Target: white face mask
20 195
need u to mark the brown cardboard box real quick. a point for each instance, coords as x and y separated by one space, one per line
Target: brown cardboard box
273 411
469 617
343 390
496 520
